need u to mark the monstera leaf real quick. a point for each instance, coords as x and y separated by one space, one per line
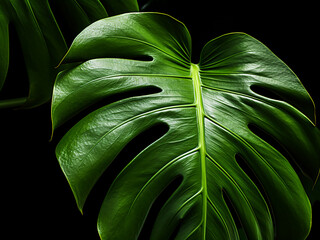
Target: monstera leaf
43 44
215 113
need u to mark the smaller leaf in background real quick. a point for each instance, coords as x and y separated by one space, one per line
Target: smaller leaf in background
43 28
4 43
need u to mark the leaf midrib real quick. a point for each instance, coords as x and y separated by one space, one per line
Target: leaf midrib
195 74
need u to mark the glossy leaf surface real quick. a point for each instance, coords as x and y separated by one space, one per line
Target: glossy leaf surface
42 43
215 112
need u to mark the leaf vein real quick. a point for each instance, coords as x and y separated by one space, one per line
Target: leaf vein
219 215
135 117
234 182
248 145
160 171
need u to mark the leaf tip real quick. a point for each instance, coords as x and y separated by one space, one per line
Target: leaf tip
64 57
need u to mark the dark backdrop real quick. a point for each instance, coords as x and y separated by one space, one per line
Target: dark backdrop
36 200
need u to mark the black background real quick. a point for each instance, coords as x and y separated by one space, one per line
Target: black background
37 202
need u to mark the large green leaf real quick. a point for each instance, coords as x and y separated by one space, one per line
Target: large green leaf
212 109
43 45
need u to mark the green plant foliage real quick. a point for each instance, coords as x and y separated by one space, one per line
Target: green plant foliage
43 45
212 110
